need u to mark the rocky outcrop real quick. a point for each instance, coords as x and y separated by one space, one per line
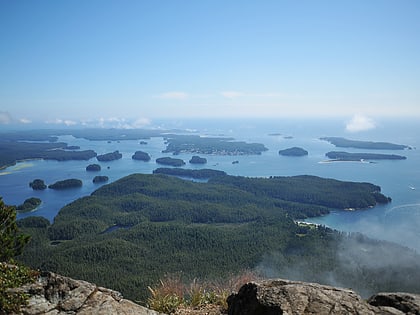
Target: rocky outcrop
53 294
274 297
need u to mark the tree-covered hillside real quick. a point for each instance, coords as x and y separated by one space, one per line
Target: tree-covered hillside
128 234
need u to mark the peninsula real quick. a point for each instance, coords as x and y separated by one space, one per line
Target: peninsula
177 144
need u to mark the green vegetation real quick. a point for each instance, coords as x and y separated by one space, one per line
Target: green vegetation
204 230
11 240
29 204
294 151
37 184
13 151
100 179
116 155
177 144
172 293
11 275
346 143
93 168
346 156
67 183
198 160
170 161
142 156
198 174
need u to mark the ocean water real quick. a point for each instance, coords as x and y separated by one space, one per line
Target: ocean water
398 221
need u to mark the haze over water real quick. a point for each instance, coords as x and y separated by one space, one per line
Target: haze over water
397 221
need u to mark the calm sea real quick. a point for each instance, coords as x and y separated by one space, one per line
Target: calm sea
399 221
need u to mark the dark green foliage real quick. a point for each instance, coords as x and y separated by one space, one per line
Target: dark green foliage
128 234
170 161
199 174
13 276
37 184
11 240
29 204
346 143
93 168
100 179
198 160
345 156
33 222
295 151
307 189
142 156
67 183
116 155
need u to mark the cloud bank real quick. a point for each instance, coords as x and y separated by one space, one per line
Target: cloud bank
360 123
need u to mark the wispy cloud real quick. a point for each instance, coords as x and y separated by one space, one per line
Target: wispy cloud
173 95
59 121
25 121
232 94
5 118
360 123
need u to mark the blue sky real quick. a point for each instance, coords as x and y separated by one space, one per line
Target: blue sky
78 61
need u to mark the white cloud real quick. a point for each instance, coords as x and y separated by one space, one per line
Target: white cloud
174 95
232 94
25 121
360 123
5 118
59 121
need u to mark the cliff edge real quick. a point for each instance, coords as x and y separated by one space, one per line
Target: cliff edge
53 294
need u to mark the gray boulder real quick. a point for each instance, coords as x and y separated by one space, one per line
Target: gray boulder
53 294
275 297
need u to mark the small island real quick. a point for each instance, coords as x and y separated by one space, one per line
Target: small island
294 151
170 161
197 174
116 155
143 142
198 160
100 179
346 156
141 156
37 184
29 204
67 183
370 145
93 168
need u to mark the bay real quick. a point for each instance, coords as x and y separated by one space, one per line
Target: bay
398 221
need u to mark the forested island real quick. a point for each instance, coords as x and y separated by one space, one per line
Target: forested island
346 143
112 156
197 174
29 204
93 168
198 160
294 151
177 144
67 183
212 230
170 161
346 156
141 156
37 184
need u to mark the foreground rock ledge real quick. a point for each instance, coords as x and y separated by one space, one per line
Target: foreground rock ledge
275 297
53 294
